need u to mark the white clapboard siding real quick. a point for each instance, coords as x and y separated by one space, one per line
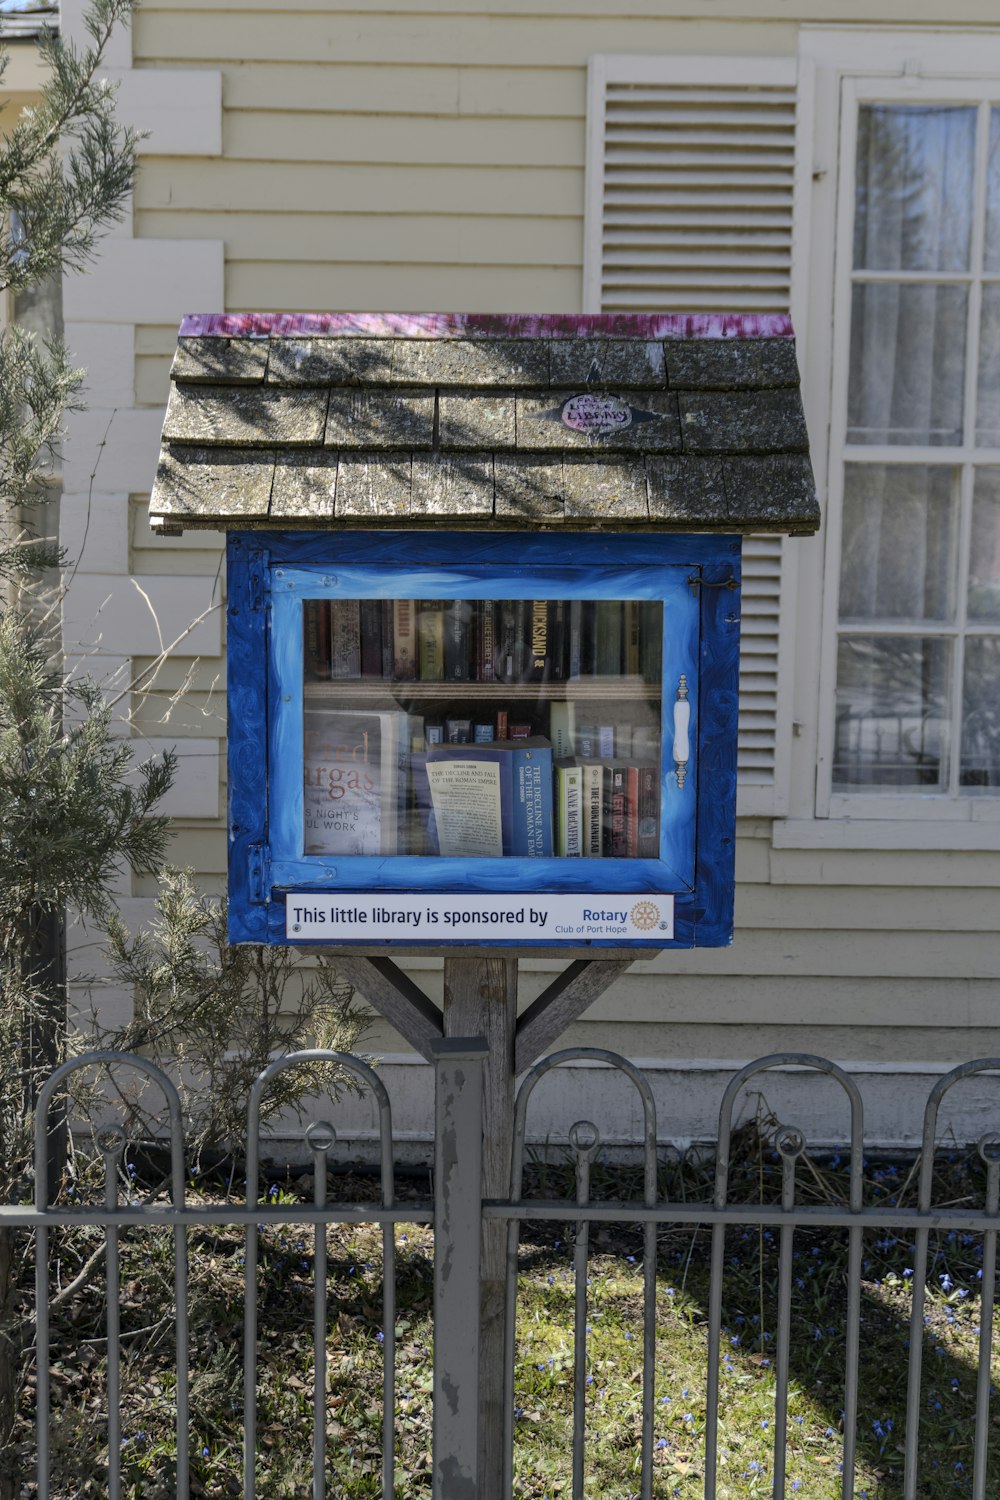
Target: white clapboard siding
690 176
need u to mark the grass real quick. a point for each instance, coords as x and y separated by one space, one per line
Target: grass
544 1379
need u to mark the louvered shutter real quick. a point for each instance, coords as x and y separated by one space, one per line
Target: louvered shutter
690 176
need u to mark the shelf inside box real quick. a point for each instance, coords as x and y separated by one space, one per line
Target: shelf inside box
374 690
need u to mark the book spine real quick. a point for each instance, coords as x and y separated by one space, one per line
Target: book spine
569 812
593 788
486 641
387 640
649 812
558 639
586 741
532 819
511 627
606 741
434 734
316 637
430 640
371 637
609 638
632 812
457 731
345 638
520 732
651 651
562 726
574 638
618 796
457 639
588 638
503 724
404 655
482 734
633 635
538 662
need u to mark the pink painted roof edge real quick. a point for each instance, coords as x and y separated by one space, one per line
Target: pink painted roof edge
491 325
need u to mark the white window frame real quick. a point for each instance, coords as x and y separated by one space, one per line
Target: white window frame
841 67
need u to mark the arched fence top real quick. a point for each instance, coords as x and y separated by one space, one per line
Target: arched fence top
365 1075
809 1062
586 1054
110 1059
937 1094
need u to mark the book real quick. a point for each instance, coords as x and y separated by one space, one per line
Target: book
593 803
345 638
371 637
434 734
569 809
510 641
606 741
651 648
316 637
471 797
457 731
404 640
615 798
632 633
532 777
558 639
649 812
538 664
490 800
586 741
562 729
430 639
483 734
520 731
457 639
351 782
387 638
503 720
632 811
609 637
486 640
574 638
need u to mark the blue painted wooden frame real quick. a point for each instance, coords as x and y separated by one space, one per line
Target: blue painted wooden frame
696 577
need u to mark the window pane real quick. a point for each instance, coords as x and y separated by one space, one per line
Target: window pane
913 208
993 196
907 364
892 716
480 727
984 558
900 527
988 403
981 714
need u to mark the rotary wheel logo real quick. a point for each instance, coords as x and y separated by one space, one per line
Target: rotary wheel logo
645 915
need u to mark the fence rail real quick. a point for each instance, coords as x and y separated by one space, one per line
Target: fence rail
457 1212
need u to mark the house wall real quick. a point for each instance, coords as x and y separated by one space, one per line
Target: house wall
317 156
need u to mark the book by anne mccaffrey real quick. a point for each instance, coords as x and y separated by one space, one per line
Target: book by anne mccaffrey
351 783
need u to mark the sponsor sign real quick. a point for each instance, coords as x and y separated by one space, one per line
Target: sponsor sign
444 918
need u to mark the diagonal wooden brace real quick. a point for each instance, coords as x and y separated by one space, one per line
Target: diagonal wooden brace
395 996
567 997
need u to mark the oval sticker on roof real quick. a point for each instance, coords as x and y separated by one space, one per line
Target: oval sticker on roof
596 415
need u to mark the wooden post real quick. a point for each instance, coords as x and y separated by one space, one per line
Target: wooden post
480 999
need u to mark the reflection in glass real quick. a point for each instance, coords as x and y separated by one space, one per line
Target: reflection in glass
984 556
988 402
913 196
992 257
907 364
980 766
900 525
892 715
482 728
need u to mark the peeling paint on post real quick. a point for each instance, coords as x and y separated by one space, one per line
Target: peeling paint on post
458 1126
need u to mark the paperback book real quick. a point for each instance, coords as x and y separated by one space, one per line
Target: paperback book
351 780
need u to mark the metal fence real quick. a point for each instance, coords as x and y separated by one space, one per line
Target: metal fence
458 1213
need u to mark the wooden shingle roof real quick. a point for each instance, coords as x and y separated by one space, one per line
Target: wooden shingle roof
685 423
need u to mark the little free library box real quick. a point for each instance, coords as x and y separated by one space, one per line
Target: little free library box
483 615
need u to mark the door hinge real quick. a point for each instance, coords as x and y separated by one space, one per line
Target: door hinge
259 579
259 857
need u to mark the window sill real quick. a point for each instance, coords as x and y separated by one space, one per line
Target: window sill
885 833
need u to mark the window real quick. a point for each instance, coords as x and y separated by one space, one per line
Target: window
918 648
